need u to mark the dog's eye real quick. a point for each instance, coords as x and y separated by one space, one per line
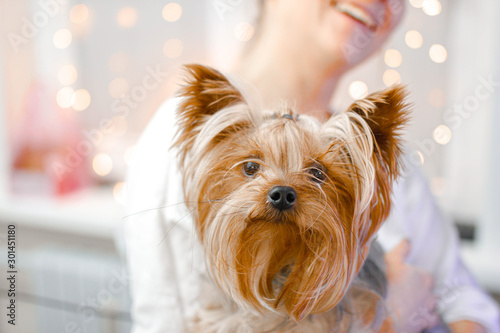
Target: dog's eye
250 169
317 175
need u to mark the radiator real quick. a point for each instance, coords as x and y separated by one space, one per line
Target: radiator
76 291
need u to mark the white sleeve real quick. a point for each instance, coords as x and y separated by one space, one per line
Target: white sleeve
162 251
435 248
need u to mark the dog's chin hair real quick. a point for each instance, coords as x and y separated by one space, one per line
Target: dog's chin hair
246 268
222 315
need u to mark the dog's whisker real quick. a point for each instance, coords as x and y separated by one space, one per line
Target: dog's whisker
167 206
173 225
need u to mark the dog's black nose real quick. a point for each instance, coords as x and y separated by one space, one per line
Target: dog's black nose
282 197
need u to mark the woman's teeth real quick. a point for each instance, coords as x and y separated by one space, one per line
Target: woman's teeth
356 13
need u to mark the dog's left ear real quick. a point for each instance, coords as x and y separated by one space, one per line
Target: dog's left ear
205 92
386 112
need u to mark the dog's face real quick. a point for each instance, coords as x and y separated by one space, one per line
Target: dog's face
285 207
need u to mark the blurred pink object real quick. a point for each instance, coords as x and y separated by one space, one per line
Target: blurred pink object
49 153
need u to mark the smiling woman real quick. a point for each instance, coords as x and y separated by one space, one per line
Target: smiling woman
106 66
300 52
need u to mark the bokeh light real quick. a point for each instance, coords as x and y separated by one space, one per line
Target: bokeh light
118 62
171 12
438 53
119 125
437 98
62 38
416 3
431 7
244 31
67 75
391 77
102 164
442 134
393 58
173 48
80 100
79 13
120 192
126 17
358 89
64 97
118 87
414 39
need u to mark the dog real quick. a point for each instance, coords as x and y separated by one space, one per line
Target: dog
286 208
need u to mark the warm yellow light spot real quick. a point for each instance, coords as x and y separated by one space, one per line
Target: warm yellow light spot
120 192
244 31
431 7
102 164
358 89
413 39
438 53
173 48
416 3
62 38
393 58
442 134
438 186
118 87
391 77
64 97
119 125
171 12
437 98
126 17
79 13
80 100
67 75
118 62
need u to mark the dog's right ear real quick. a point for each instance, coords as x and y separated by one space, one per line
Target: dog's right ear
205 92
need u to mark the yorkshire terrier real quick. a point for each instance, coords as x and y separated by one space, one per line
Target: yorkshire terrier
287 208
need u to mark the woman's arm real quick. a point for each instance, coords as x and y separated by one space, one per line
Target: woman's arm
161 253
466 326
435 248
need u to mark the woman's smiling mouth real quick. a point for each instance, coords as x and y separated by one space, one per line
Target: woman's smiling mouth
357 13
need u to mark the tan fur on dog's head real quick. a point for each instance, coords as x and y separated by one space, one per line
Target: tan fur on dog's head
341 171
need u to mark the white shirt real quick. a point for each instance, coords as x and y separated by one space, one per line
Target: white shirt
165 257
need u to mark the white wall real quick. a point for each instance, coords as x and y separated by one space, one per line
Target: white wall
473 47
490 218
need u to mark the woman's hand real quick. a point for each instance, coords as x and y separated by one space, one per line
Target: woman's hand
465 326
410 298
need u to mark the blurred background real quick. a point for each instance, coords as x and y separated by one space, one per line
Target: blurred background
79 81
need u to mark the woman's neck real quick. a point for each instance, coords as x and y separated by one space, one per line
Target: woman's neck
291 73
